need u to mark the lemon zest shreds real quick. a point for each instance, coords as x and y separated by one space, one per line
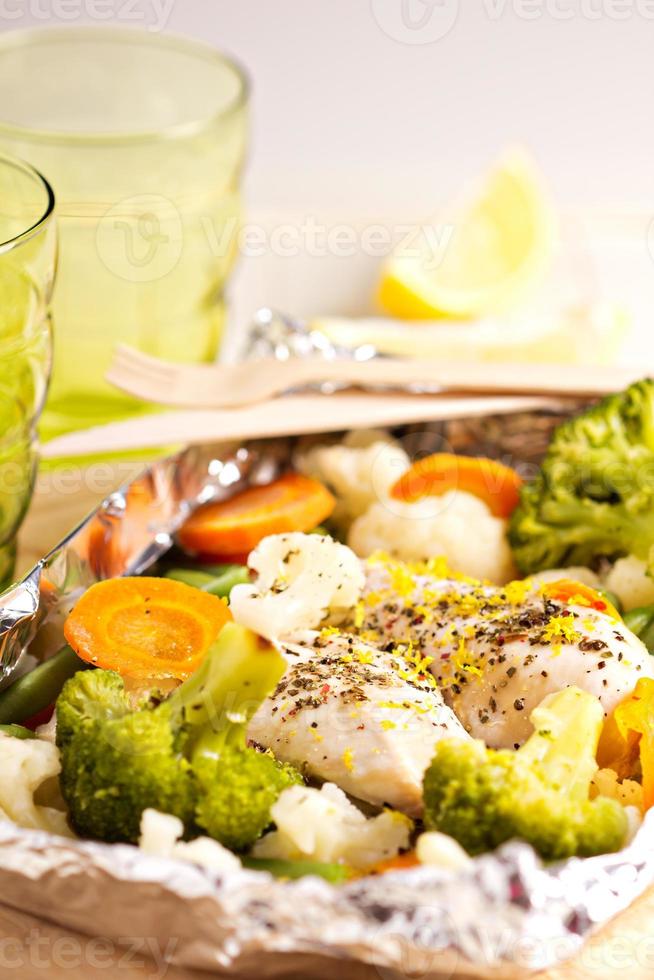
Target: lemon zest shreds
379 558
517 592
579 600
434 567
348 759
402 580
561 628
387 724
461 660
370 636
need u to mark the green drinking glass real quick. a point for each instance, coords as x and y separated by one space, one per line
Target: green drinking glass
143 137
27 268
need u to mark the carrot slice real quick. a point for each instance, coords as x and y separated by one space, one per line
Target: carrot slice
577 594
399 863
494 483
235 526
145 627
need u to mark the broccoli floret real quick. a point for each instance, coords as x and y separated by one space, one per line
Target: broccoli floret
255 777
117 762
594 493
186 756
484 797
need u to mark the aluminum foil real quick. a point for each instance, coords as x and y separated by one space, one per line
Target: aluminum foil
504 916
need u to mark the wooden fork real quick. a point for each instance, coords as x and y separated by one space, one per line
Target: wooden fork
249 382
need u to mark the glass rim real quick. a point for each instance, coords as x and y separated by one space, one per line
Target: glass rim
7 160
11 40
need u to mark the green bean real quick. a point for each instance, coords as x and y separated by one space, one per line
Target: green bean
37 690
17 731
217 579
336 873
641 622
612 598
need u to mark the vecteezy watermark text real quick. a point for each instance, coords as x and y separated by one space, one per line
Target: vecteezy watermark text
569 9
38 951
151 14
427 21
317 239
143 238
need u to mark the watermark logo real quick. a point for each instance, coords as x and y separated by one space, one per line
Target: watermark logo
140 238
415 21
424 947
150 14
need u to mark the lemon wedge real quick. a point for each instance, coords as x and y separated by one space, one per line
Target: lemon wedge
482 258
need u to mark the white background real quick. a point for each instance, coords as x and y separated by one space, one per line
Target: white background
347 115
359 115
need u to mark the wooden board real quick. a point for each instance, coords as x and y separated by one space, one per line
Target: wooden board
63 498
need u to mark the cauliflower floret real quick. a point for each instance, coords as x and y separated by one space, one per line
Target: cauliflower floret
303 581
631 582
441 851
359 471
628 792
160 836
29 767
322 825
575 573
456 526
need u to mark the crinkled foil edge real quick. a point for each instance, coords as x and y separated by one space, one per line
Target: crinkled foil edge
506 915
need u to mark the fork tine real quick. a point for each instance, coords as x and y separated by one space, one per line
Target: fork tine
135 385
191 385
134 359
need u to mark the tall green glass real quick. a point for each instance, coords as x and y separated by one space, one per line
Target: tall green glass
143 137
27 268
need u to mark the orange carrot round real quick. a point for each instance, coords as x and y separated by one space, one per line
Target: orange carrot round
494 483
145 627
577 594
236 526
399 863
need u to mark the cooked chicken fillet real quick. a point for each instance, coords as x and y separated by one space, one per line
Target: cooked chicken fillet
350 714
496 652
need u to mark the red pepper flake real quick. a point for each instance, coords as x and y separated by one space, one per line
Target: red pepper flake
325 689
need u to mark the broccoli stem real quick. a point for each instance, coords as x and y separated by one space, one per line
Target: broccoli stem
567 728
37 690
239 671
